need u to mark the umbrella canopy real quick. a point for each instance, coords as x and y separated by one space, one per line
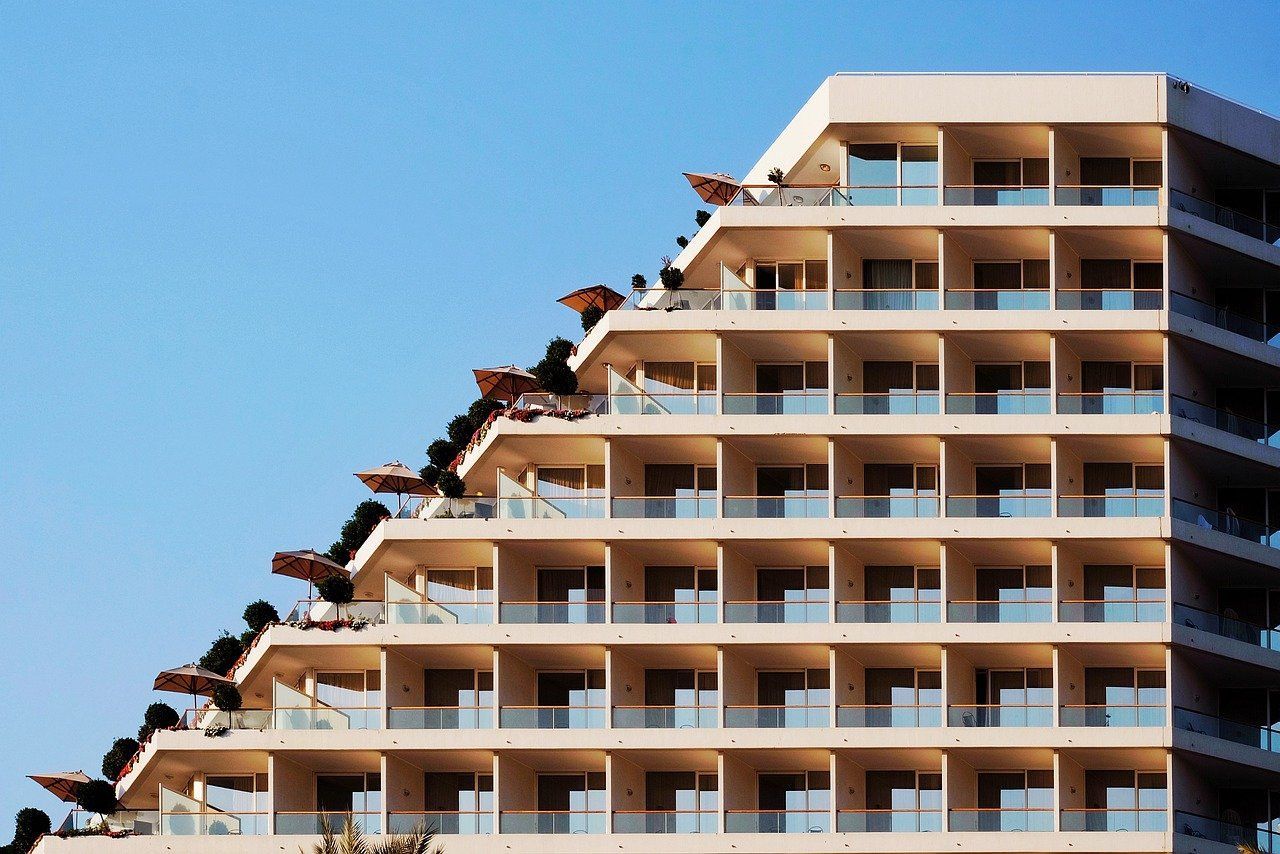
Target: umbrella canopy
716 187
505 383
395 477
61 785
190 679
308 565
602 297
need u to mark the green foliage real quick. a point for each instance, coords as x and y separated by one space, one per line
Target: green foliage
97 796
430 474
639 282
480 411
353 841
450 485
114 760
591 316
357 529
672 277
459 430
157 716
701 217
223 654
258 615
553 372
441 453
775 176
227 698
28 826
682 241
337 589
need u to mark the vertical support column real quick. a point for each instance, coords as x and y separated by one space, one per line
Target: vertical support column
384 715
384 816
943 595
271 807
608 479
1053 476
1053 175
719 375
720 786
945 681
1056 672
831 376
1053 260
831 599
1053 373
608 702
831 470
1055 578
608 586
1057 791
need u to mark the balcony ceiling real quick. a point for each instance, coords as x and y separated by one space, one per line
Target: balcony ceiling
891 346
1133 243
1000 552
664 656
701 553
1143 141
999 140
669 760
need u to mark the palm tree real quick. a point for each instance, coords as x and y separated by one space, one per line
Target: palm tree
1246 848
352 841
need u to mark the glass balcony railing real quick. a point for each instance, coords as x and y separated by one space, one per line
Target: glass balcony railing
1099 195
886 300
467 823
313 823
551 717
690 403
1115 820
216 823
776 507
472 507
1250 735
795 611
1012 505
1224 521
326 718
1118 299
666 821
139 822
1000 403
553 821
1001 819
997 300
597 404
1226 627
538 507
906 611
319 611
889 821
441 613
1234 220
907 716
1224 318
1113 716
763 300
1112 610
990 195
665 507
1111 506
665 612
887 506
1000 612
1000 715
665 717
664 299
574 613
777 717
246 719
783 403
440 717
892 403
777 821
1111 403
1257 836
1225 420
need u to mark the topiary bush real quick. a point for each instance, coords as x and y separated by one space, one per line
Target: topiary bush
114 760
223 654
258 615
591 316
97 796
481 409
227 698
28 826
450 485
775 176
459 430
701 217
682 241
356 530
672 277
441 453
157 716
337 589
639 282
553 372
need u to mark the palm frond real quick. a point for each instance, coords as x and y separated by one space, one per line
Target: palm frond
416 841
353 839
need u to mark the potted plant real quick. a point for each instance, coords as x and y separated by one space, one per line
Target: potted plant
338 590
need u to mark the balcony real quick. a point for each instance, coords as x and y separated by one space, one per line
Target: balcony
313 823
1233 834
665 507
662 299
1223 318
777 717
639 403
1112 715
889 821
1250 735
799 402
1012 504
1114 820
777 821
893 403
428 612
467 507
1000 715
999 403
901 611
1108 299
1223 521
776 507
440 717
666 821
552 821
997 300
1224 216
1111 403
551 717
1136 506
897 715
665 717
988 611
219 823
1111 610
789 611
887 506
574 613
1000 820
320 611
899 299
1226 627
326 718
537 507
453 823
1225 420
990 195
665 612
1106 196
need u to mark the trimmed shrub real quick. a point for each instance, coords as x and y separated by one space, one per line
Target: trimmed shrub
441 453
591 316
357 529
114 760
672 277
639 282
223 654
701 217
258 615
682 241
157 716
553 372
480 411
450 485
429 474
459 430
775 176
227 698
337 589
97 796
28 826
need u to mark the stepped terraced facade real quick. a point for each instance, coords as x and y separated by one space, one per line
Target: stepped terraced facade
940 502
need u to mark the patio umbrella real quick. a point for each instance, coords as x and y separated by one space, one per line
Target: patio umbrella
190 679
395 477
602 297
716 187
62 785
307 564
505 383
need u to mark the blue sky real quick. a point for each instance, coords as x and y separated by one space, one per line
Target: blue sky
246 253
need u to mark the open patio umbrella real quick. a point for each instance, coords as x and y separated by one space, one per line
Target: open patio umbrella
190 679
504 383
61 785
307 564
602 297
716 187
395 477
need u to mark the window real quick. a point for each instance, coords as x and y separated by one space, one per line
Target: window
902 584
903 686
679 584
571 803
569 481
241 793
683 792
1132 800
892 174
457 688
1014 583
1029 478
350 793
679 481
355 695
904 800
1027 171
468 794
794 802
791 481
683 688
1129 587
1027 796
1120 172
1123 479
899 479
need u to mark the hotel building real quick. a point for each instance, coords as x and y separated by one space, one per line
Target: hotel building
932 513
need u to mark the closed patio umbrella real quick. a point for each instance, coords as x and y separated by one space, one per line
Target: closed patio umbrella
504 383
715 187
190 679
307 564
61 785
602 297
